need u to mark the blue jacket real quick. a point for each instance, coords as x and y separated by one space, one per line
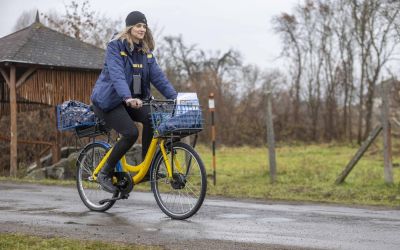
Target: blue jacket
114 83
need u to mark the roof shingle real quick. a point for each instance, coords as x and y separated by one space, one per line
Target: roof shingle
40 45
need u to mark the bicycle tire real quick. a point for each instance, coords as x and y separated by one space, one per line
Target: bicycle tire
183 186
89 190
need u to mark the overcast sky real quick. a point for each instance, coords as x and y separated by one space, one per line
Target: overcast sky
211 24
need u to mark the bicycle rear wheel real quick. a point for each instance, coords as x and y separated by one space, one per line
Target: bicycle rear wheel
90 190
181 196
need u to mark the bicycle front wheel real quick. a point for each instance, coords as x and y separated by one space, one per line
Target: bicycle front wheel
181 196
89 190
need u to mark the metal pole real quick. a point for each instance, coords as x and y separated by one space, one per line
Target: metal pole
211 106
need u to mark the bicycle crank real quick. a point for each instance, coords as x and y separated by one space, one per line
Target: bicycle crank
120 197
124 184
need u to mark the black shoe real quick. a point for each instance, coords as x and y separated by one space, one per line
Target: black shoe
106 182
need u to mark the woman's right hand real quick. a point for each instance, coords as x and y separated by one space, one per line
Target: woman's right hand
134 103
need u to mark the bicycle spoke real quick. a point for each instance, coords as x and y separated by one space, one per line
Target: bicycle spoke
181 196
87 170
194 193
89 190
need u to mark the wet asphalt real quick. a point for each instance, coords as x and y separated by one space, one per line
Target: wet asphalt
220 223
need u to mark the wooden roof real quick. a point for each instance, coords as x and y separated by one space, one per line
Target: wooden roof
42 46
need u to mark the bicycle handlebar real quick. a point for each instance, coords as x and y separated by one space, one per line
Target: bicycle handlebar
154 101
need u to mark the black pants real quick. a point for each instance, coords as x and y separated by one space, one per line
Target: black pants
121 120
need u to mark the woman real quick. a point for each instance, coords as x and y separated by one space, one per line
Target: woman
122 85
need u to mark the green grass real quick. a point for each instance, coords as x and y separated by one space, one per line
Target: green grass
304 173
19 242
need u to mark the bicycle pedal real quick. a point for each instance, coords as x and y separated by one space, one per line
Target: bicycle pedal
121 197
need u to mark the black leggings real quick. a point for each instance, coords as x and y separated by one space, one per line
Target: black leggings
121 120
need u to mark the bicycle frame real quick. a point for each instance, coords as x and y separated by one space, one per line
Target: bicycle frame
143 167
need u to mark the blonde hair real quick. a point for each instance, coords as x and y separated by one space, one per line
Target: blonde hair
147 42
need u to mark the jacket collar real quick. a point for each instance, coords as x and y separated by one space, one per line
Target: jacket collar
127 47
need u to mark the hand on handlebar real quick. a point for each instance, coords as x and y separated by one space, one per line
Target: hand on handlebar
134 103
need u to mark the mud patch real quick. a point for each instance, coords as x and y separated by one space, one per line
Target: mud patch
7 208
42 209
93 225
72 223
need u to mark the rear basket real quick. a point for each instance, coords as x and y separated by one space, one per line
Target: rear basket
92 130
74 114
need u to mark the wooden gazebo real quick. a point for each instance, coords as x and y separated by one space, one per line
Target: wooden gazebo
40 66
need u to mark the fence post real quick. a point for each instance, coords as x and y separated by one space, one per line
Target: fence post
211 106
270 137
387 143
364 146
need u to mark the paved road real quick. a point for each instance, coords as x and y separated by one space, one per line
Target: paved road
220 224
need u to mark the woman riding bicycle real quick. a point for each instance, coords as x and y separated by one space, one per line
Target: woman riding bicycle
122 85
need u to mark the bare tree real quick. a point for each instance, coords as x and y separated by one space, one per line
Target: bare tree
84 24
288 27
381 28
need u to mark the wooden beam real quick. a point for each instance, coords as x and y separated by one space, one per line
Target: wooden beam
5 75
365 145
23 78
46 149
56 148
13 123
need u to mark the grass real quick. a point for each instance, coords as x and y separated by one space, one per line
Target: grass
304 173
20 241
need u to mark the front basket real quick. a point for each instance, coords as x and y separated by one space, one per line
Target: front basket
170 119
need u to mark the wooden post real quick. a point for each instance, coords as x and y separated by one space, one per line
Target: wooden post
12 83
365 145
270 137
56 149
387 143
13 117
211 107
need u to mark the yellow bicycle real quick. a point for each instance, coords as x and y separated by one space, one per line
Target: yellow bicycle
177 173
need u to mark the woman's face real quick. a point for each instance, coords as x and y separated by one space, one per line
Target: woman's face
138 31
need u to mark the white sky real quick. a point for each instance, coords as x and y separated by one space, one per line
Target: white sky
243 25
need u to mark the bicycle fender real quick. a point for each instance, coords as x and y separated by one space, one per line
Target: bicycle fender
105 144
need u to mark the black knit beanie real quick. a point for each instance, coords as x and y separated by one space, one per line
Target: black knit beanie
134 18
